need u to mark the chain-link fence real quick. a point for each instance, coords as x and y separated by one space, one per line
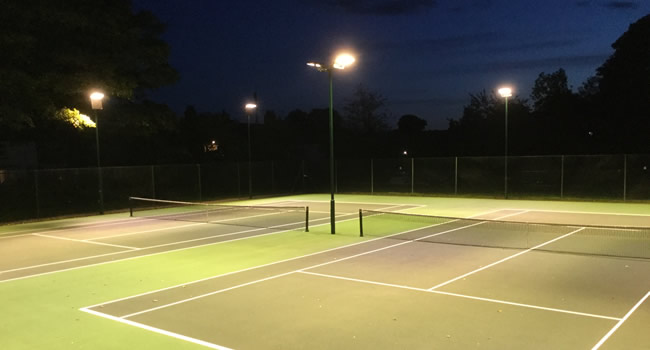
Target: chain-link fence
30 194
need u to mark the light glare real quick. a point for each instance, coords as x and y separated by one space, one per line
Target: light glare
96 96
505 92
343 60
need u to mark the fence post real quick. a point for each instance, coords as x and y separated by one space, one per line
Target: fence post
562 176
36 194
372 177
272 177
238 181
624 177
198 174
412 175
153 182
455 175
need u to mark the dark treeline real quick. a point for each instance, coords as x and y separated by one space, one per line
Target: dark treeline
44 79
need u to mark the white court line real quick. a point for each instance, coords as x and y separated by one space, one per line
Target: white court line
173 250
144 248
303 256
101 224
84 241
147 231
611 331
504 259
492 212
152 254
582 212
246 269
206 294
465 296
513 214
157 330
302 269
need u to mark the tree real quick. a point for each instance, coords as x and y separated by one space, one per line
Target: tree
560 115
480 131
366 111
549 88
411 124
54 52
624 89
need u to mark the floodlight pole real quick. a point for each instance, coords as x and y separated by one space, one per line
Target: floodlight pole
250 178
249 108
100 184
332 204
96 104
339 63
505 92
505 178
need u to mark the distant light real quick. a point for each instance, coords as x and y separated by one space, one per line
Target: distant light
505 92
405 153
343 60
214 142
251 106
314 64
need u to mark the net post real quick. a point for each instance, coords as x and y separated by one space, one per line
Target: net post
307 219
131 206
360 222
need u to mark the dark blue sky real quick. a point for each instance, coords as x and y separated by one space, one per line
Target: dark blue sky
424 56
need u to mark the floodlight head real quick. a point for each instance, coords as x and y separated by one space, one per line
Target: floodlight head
250 106
505 92
343 60
96 95
96 99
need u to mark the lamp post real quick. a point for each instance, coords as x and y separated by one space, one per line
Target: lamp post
250 107
505 92
340 62
96 104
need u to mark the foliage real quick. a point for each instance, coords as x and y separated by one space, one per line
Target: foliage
624 89
550 87
480 131
410 124
54 52
366 111
74 118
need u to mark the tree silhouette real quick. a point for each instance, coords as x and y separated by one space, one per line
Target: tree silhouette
624 88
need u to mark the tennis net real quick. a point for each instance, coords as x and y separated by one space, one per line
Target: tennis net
259 216
627 242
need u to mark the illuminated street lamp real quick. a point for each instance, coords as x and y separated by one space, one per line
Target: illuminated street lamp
505 92
250 107
340 62
96 104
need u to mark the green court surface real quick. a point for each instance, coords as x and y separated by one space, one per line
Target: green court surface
412 282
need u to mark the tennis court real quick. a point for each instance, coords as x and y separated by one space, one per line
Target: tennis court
507 277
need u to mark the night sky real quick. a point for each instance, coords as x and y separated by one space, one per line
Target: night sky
424 56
